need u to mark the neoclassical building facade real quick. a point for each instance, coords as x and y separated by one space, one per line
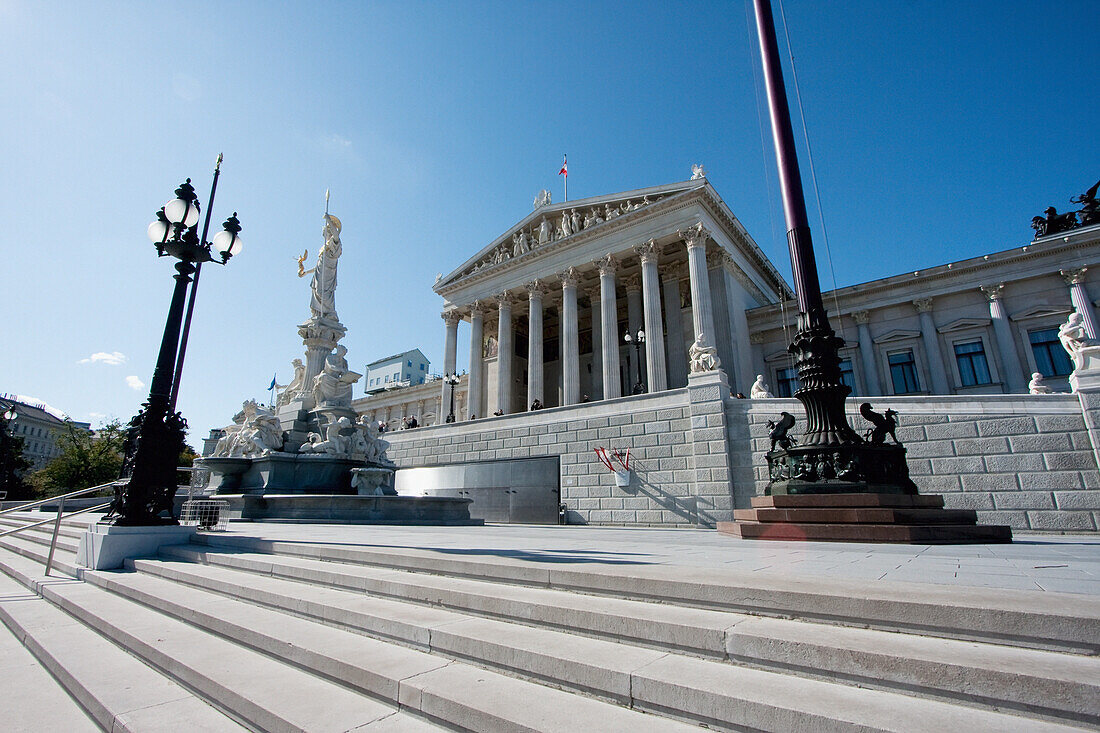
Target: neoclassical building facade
550 301
548 305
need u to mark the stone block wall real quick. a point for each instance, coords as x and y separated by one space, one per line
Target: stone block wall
677 444
1022 460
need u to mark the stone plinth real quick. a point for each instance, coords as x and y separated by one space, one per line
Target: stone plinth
413 510
861 517
282 473
107 547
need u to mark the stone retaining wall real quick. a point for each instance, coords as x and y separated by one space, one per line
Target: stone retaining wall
1021 460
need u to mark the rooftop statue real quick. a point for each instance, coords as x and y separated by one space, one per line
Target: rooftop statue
1090 207
543 199
1055 223
697 172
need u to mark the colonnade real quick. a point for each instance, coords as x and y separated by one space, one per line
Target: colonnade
653 303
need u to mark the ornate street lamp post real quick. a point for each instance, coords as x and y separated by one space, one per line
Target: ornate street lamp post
830 457
636 342
7 434
156 434
452 380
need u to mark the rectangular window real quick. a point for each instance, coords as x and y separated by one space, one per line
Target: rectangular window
1050 358
903 372
973 368
786 382
847 376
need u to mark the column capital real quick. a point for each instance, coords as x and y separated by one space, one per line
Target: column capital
607 265
694 236
756 337
570 277
923 305
632 284
648 252
1074 276
716 258
861 317
535 289
994 292
504 300
451 318
477 309
677 271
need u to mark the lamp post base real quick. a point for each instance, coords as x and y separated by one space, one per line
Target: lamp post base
841 469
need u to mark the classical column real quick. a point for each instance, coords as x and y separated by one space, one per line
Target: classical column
702 310
656 373
535 337
1002 331
1080 299
632 284
674 325
867 353
931 341
450 358
609 328
505 351
570 340
597 343
477 337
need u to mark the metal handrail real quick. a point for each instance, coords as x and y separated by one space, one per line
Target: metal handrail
62 497
61 509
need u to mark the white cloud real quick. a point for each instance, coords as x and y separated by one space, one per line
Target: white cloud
114 358
134 383
334 142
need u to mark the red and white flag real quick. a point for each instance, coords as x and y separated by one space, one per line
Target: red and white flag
564 167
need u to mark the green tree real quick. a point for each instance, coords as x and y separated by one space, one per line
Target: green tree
12 464
86 459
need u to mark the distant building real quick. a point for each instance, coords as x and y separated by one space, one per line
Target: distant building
400 370
39 428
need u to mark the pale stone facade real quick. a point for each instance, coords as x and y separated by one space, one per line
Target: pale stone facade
549 301
979 326
951 348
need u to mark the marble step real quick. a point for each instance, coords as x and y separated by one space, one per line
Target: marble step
459 695
114 689
1031 619
1036 682
721 696
263 693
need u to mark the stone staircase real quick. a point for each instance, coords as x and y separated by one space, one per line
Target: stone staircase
231 632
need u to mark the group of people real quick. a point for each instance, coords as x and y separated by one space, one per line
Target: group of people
407 423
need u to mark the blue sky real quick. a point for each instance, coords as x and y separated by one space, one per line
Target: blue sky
938 130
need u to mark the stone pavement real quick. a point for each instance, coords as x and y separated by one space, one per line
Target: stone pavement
1066 564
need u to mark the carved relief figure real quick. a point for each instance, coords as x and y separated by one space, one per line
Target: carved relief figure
565 225
575 221
544 231
519 243
334 443
610 213
490 349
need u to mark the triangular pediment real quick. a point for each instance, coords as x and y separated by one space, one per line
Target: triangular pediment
1042 311
555 223
899 334
963 324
